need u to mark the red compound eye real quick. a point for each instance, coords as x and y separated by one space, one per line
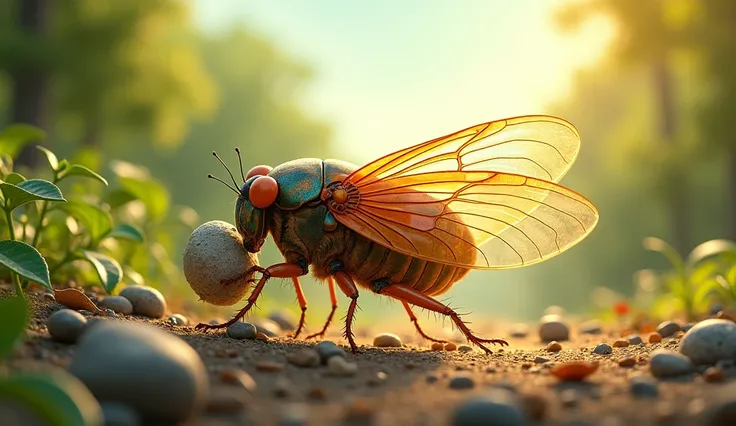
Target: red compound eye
258 171
263 191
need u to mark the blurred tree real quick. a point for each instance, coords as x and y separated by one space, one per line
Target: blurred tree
118 68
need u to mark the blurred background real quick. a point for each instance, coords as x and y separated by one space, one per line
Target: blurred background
151 87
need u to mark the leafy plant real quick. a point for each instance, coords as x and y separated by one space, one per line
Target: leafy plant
692 282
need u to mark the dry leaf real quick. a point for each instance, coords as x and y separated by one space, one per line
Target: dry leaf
75 299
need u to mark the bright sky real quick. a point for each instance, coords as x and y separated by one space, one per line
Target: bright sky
391 74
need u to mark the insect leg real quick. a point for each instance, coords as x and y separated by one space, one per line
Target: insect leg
414 319
406 294
280 270
333 299
302 304
348 287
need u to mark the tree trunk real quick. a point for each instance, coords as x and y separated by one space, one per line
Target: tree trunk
677 197
30 86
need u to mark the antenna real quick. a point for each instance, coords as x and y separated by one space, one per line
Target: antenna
235 184
240 159
224 183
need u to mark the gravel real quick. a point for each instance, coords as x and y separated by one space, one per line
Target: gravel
242 330
118 304
553 327
327 349
643 387
668 328
461 382
603 349
339 366
497 407
146 301
178 319
710 341
664 363
66 325
635 340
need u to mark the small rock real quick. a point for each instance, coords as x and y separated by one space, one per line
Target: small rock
116 414
146 301
664 363
282 387
710 341
603 349
688 326
635 340
655 338
236 376
498 407
318 393
668 328
569 398
285 319
387 340
339 366
66 325
643 387
535 406
294 414
627 362
327 350
552 327
267 327
431 378
224 400
540 360
449 346
304 358
437 346
178 319
620 343
554 346
462 382
155 372
269 366
519 330
465 348
591 327
359 412
242 330
118 304
714 374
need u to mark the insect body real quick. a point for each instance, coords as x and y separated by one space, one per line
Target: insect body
413 223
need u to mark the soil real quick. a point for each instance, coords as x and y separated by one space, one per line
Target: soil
415 389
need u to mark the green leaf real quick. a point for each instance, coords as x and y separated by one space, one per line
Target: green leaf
26 261
15 178
96 221
152 193
78 170
30 190
14 137
51 157
118 198
709 249
55 397
127 232
108 269
659 245
14 320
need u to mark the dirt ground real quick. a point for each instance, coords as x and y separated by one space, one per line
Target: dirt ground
415 389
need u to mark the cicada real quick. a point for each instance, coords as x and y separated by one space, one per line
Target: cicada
413 223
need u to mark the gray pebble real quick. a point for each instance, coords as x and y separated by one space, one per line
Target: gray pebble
116 414
591 327
643 387
267 327
387 340
66 325
285 319
635 340
156 373
664 363
178 319
519 330
242 330
431 378
710 341
146 301
462 382
497 407
118 304
603 349
540 360
327 350
668 328
465 348
553 327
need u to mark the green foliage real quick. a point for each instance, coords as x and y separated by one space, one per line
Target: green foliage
14 319
692 283
25 260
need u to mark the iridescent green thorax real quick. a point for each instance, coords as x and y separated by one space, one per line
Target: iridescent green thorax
301 181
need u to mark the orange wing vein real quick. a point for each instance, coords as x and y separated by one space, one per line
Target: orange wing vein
482 198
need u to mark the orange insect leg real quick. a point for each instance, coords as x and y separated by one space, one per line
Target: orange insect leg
280 270
406 294
302 304
348 287
333 299
414 319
